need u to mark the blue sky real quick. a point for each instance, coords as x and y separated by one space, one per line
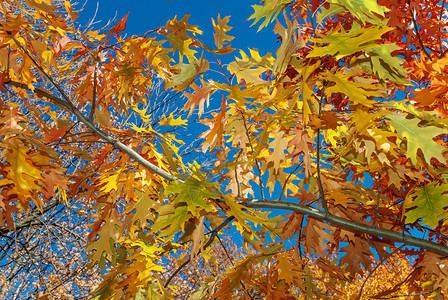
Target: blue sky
145 15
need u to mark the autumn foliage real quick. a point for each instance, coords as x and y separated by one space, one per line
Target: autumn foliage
327 159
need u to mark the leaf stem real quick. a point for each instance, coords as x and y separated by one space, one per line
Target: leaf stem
257 164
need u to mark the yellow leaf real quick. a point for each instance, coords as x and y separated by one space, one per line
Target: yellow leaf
24 174
291 41
279 145
358 93
172 121
250 68
220 31
69 9
40 5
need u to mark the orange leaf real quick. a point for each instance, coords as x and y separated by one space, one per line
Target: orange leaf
198 97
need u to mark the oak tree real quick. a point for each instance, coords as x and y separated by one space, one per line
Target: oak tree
327 158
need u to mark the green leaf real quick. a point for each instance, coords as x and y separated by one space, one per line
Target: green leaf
386 66
364 10
269 10
242 214
418 138
171 220
187 73
429 202
193 193
333 9
340 44
358 93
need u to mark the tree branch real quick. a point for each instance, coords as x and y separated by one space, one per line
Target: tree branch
334 220
312 212
30 220
67 104
117 144
442 52
377 201
412 295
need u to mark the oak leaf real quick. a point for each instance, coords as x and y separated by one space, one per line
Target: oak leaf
221 29
340 44
418 138
119 27
269 11
366 11
428 203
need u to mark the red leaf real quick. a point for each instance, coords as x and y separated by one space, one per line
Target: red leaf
117 29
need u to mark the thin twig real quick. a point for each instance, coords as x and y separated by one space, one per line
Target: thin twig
27 53
442 7
300 237
30 220
9 57
232 263
42 93
311 18
117 144
414 21
70 231
67 132
322 98
286 181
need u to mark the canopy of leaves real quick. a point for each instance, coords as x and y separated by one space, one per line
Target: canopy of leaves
341 134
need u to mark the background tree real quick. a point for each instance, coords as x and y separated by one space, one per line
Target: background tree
345 126
43 249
